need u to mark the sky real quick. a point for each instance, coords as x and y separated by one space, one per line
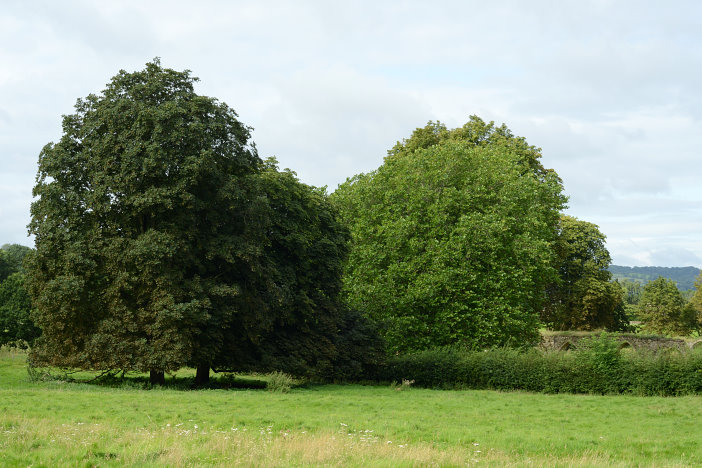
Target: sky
609 90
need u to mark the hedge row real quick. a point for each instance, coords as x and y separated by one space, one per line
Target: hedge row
598 367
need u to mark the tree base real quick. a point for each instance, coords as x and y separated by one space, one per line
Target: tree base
202 375
157 377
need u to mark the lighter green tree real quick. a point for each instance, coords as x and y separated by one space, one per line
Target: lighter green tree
451 238
696 302
662 309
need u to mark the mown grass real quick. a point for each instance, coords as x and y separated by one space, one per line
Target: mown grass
78 424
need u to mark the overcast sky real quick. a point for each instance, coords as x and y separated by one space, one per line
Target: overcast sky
610 90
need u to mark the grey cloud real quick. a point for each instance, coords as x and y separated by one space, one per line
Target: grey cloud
608 90
675 256
336 123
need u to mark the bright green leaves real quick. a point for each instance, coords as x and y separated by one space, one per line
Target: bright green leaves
451 239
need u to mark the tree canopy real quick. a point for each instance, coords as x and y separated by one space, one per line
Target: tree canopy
583 297
13 255
310 330
163 240
475 132
16 326
141 226
451 238
663 310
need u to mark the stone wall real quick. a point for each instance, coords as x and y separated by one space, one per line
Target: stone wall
565 342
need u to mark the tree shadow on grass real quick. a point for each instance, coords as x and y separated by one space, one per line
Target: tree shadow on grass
140 381
174 382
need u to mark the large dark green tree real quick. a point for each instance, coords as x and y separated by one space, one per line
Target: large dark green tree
163 240
451 238
583 297
146 228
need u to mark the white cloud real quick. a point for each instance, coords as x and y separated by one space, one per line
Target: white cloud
608 90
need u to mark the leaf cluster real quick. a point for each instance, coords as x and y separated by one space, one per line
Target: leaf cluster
451 238
663 309
583 297
16 325
164 240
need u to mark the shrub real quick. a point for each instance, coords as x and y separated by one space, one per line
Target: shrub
279 382
597 367
600 363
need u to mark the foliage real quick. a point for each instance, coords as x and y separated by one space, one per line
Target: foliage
450 238
279 382
583 297
684 277
163 240
695 303
142 245
361 350
603 358
663 310
476 133
597 368
632 291
12 257
5 267
16 326
310 331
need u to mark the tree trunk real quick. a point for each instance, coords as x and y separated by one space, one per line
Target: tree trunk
202 375
157 377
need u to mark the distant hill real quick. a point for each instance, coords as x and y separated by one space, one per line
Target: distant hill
683 276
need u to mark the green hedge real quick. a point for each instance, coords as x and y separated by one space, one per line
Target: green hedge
597 367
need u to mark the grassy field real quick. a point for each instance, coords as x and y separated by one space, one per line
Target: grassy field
77 424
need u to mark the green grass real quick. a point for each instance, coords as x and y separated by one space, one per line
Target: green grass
78 424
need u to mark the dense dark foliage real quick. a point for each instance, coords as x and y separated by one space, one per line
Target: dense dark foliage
139 225
310 331
16 326
12 259
583 297
163 240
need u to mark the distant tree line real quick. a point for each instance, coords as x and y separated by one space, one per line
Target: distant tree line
684 277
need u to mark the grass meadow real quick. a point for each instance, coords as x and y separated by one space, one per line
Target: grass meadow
55 423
